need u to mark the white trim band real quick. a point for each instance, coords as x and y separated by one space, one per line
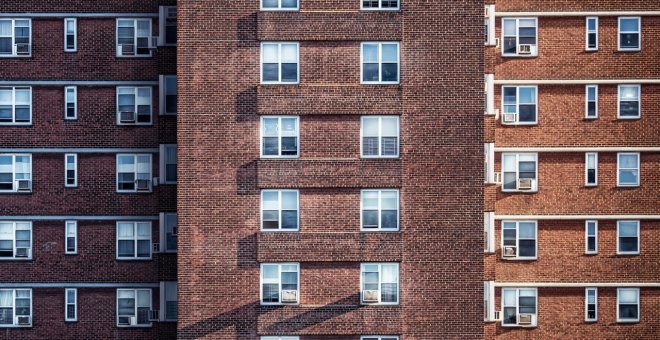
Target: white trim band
578 149
78 15
574 81
578 284
78 83
76 218
577 217
579 14
78 150
78 285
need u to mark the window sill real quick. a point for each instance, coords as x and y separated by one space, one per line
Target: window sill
135 192
279 157
134 56
280 304
375 230
627 254
519 258
379 83
279 83
15 56
16 326
629 49
627 321
519 56
518 326
627 186
516 191
628 118
520 124
16 124
20 259
379 304
135 326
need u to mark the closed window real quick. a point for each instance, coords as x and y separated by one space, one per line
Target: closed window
627 237
168 303
134 173
15 307
15 173
71 170
70 102
380 4
519 240
591 169
380 137
279 283
15 105
380 283
519 37
167 20
70 32
133 240
15 37
519 307
628 169
134 37
380 210
71 237
15 240
380 62
283 5
519 105
168 163
279 210
134 105
71 305
168 232
592 102
168 95
591 237
630 34
591 304
629 101
279 63
627 300
592 34
279 137
133 307
520 172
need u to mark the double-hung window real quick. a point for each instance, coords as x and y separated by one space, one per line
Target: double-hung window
627 237
380 283
380 137
591 169
134 173
279 63
591 304
591 109
519 307
133 240
71 237
380 210
380 4
133 307
380 62
167 28
519 240
134 105
279 137
592 34
280 283
520 172
168 95
627 301
71 305
279 210
70 33
627 170
70 102
168 163
519 105
519 37
168 232
134 37
279 5
15 37
15 173
168 301
591 237
71 170
629 101
15 105
15 240
15 307
630 34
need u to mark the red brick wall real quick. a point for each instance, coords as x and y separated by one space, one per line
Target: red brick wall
573 5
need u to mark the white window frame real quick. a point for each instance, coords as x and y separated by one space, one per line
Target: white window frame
74 90
618 317
135 89
380 62
380 136
588 31
136 292
489 232
14 53
490 95
71 227
587 236
536 159
279 282
279 136
489 22
14 180
380 210
13 98
163 301
75 170
618 237
619 33
587 101
163 14
618 169
162 95
534 52
164 162
67 303
279 63
380 6
279 6
517 113
380 282
135 171
164 229
14 229
489 301
75 34
14 316
135 238
489 160
279 209
586 304
517 305
639 101
586 169
119 54
536 240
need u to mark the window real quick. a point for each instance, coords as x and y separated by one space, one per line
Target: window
592 102
71 238
519 37
519 307
134 105
167 20
630 35
279 210
489 232
489 163
380 283
70 32
627 240
133 240
380 4
519 240
15 307
279 137
279 63
489 300
168 232
627 300
279 283
592 34
15 240
168 95
15 105
629 102
15 37
70 102
380 63
71 170
15 173
591 237
519 104
282 5
519 172
380 137
489 90
168 301
71 305
627 169
134 172
168 163
380 210
591 304
489 25
133 37
591 169
379 337
133 307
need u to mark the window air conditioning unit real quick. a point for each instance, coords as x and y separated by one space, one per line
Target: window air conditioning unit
509 251
156 247
154 315
126 49
127 117
24 185
22 252
509 117
153 43
525 183
289 296
126 320
526 49
497 316
142 184
370 296
497 178
22 49
23 320
525 319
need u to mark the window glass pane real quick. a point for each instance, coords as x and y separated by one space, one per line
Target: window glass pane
370 200
270 272
527 230
369 53
390 126
390 53
628 161
509 163
509 297
144 230
527 23
628 296
390 273
289 53
509 27
591 23
629 92
269 53
627 229
125 229
290 72
527 95
629 25
270 200
269 3
389 200
390 72
370 126
289 200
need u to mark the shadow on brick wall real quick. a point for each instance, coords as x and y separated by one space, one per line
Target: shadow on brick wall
246 179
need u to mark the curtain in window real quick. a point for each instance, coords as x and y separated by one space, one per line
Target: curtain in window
6 307
143 167
5 37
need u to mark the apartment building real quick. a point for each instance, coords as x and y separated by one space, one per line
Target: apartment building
330 156
88 169
572 154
